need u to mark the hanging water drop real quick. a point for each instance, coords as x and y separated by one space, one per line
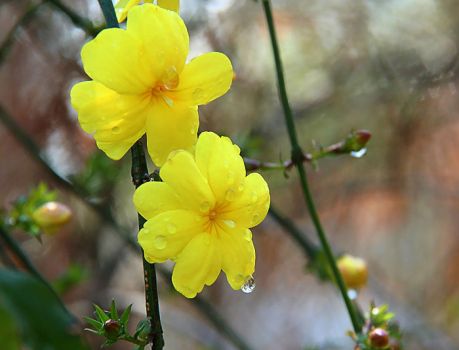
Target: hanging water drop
359 154
249 285
205 206
230 195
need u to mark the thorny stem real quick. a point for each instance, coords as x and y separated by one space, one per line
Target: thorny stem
201 304
139 172
297 154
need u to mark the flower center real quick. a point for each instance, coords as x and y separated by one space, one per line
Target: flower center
168 82
212 214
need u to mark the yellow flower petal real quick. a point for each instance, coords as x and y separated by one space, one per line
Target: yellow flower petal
238 255
251 206
153 198
166 235
182 174
117 120
219 161
204 79
122 8
163 35
169 129
115 59
197 265
172 5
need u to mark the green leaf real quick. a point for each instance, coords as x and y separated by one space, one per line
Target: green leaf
96 325
101 314
9 335
125 315
39 317
113 311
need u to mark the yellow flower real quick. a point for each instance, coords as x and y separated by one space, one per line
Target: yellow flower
200 215
141 84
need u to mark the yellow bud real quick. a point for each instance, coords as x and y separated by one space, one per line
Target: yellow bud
173 5
354 271
51 216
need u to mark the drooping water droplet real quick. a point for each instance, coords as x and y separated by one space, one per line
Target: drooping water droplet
230 195
230 178
198 94
359 154
171 228
230 223
169 101
146 231
160 242
170 78
253 197
240 188
116 130
249 285
352 294
205 206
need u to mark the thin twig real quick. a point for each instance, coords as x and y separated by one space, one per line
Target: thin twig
297 155
103 212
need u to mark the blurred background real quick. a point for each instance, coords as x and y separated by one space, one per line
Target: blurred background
387 66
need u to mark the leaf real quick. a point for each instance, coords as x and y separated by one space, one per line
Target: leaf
9 335
125 315
96 325
113 311
101 313
38 315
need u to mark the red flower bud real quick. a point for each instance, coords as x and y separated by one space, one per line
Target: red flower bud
379 338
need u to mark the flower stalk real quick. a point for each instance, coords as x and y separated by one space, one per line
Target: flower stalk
139 172
297 159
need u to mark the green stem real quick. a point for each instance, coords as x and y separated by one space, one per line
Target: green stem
199 303
297 160
139 172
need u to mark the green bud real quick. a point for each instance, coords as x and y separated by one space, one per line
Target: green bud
112 329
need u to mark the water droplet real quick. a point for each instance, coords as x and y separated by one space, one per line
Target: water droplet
160 242
249 285
146 231
169 101
116 130
198 94
170 78
255 218
352 294
240 188
230 195
205 206
254 197
359 154
171 228
230 223
230 179
248 235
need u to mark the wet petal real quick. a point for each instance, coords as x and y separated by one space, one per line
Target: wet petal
219 161
197 265
251 206
169 129
238 255
163 34
204 79
181 173
115 59
153 198
165 235
117 121
122 8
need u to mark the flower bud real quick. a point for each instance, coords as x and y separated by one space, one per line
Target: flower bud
354 271
356 141
112 329
51 216
379 338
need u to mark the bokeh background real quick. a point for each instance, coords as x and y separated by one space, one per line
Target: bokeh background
387 66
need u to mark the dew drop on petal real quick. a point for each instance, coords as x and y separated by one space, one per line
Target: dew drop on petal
116 130
240 188
230 195
253 197
248 235
255 218
359 154
160 242
249 285
171 228
205 206
230 223
146 231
